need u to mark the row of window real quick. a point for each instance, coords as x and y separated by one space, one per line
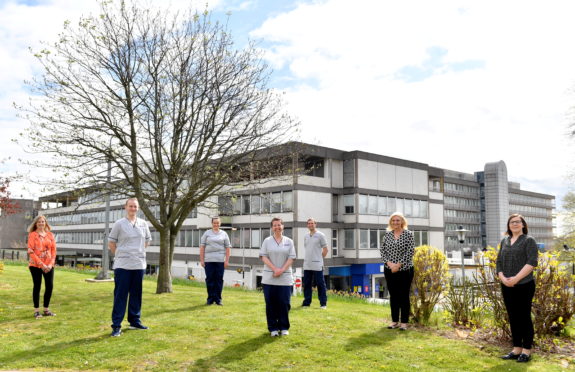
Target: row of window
537 220
385 206
249 238
518 198
274 202
461 214
515 208
461 201
80 218
469 227
372 238
461 188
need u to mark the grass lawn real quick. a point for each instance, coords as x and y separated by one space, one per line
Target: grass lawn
187 335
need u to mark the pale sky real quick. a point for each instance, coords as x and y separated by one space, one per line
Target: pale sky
453 84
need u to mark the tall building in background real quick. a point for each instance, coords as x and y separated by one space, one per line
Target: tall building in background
350 194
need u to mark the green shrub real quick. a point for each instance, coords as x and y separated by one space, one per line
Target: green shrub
488 281
430 282
464 304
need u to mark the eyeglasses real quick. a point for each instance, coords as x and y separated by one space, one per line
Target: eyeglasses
515 222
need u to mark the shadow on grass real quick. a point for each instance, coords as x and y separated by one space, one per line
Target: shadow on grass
175 310
233 353
376 338
51 348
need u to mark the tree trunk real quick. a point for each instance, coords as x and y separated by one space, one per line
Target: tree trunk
164 284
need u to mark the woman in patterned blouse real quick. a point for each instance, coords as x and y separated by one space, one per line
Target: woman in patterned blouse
42 253
516 260
397 251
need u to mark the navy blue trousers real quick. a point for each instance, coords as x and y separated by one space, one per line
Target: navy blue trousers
278 299
214 281
128 283
399 285
308 277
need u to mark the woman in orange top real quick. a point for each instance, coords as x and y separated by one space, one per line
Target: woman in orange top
42 253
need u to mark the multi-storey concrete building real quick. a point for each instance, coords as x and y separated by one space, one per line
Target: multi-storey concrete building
351 195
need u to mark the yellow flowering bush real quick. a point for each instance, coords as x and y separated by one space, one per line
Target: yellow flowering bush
430 281
1 267
554 300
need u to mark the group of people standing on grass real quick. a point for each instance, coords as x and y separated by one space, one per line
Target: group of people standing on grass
130 236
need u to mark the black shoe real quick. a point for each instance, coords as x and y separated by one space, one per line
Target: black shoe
523 358
138 326
304 305
116 332
219 304
511 355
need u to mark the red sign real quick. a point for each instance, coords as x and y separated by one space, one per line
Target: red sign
298 283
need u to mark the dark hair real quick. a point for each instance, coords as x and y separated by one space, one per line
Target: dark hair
216 218
276 219
525 229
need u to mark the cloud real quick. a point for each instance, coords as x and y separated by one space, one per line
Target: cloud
454 84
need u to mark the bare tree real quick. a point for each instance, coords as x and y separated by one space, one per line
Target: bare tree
166 98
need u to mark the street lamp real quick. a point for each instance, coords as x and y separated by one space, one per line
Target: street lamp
105 255
461 237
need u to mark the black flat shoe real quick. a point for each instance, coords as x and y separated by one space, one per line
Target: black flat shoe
511 355
393 326
523 358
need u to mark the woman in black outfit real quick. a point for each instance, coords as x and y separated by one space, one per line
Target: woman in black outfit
515 263
397 251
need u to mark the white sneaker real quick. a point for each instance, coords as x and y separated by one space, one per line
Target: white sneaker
285 332
274 333
323 307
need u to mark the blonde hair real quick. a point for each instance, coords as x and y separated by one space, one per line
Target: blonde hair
33 226
397 214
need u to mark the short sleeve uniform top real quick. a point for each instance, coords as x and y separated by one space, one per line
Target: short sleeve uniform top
313 245
278 253
130 239
399 250
215 245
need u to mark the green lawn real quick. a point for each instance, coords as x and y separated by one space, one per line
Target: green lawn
187 335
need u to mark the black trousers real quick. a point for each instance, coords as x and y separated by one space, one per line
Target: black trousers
37 275
518 301
399 285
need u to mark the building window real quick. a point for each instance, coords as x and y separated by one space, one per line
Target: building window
363 239
266 203
349 173
314 167
288 232
256 204
276 206
372 205
349 239
373 239
256 235
334 243
348 204
246 204
287 201
363 201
